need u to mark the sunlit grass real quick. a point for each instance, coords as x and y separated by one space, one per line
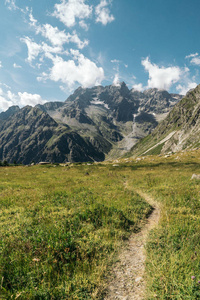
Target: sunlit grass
61 226
173 250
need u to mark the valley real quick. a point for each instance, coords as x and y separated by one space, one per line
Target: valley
99 150
63 227
75 223
93 124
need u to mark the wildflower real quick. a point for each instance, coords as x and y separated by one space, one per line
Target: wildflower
193 277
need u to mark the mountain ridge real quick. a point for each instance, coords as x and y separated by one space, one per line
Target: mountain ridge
91 125
178 131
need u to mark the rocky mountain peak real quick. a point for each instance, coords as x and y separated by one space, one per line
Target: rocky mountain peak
90 124
154 92
124 89
9 112
180 130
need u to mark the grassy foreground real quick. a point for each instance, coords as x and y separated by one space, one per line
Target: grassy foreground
61 227
173 249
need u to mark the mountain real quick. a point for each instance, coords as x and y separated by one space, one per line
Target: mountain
91 125
180 130
114 115
158 101
32 135
11 111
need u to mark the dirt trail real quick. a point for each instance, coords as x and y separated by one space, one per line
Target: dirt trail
128 274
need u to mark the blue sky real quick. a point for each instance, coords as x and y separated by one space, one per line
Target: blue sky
48 48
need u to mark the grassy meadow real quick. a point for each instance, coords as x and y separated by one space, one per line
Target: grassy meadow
62 226
173 249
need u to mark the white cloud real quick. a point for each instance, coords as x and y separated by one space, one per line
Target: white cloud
195 58
192 55
103 13
30 99
161 77
183 89
115 61
48 50
33 48
33 21
68 11
11 4
8 98
138 87
11 97
83 25
56 36
80 70
4 104
17 66
116 81
44 76
75 39
195 61
0 64
23 99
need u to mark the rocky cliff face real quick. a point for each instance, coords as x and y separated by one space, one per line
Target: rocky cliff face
179 131
91 124
11 111
32 135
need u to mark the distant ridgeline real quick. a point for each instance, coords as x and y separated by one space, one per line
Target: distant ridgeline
91 125
180 130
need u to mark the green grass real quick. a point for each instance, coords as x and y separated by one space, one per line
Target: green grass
156 150
173 249
60 228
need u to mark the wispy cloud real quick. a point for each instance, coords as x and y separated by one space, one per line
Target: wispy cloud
56 36
33 48
83 24
42 50
17 66
11 4
115 61
195 61
184 88
195 58
116 80
192 55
